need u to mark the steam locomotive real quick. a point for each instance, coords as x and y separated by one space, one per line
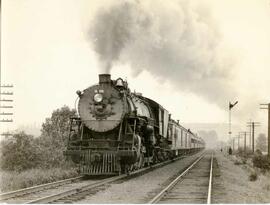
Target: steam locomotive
118 131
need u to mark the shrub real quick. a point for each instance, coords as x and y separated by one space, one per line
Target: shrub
53 139
244 160
19 152
258 152
261 161
253 176
267 187
244 153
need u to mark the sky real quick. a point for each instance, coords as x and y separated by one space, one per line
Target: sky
192 57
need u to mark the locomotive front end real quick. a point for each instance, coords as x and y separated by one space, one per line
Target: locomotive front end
95 135
101 107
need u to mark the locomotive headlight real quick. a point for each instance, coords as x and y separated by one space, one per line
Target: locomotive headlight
98 97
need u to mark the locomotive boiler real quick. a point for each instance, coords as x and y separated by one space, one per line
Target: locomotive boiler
117 131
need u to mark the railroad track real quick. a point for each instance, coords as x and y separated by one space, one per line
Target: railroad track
30 193
67 191
194 185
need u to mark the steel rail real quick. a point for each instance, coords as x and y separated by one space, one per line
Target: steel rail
54 197
174 182
33 189
210 182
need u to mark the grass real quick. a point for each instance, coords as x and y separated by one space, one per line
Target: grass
18 180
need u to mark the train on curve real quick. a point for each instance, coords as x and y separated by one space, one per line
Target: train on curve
118 131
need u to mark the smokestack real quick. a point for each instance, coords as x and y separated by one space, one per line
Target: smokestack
104 78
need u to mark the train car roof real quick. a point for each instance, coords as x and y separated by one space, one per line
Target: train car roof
157 105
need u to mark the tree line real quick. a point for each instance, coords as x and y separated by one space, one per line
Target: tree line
22 151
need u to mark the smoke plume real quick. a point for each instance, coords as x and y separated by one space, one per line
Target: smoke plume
174 41
113 30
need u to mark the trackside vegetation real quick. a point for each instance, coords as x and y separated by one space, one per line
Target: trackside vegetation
28 161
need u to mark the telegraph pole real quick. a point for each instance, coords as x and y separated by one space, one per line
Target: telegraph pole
267 107
252 125
239 137
238 142
245 135
245 139
250 136
253 135
269 130
5 106
234 142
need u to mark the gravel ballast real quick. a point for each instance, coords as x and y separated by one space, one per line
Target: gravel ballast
231 184
139 189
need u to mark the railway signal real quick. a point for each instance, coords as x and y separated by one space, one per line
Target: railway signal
267 107
231 105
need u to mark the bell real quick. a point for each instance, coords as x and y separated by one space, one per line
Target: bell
119 82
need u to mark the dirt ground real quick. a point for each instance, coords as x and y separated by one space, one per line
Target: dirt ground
232 184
